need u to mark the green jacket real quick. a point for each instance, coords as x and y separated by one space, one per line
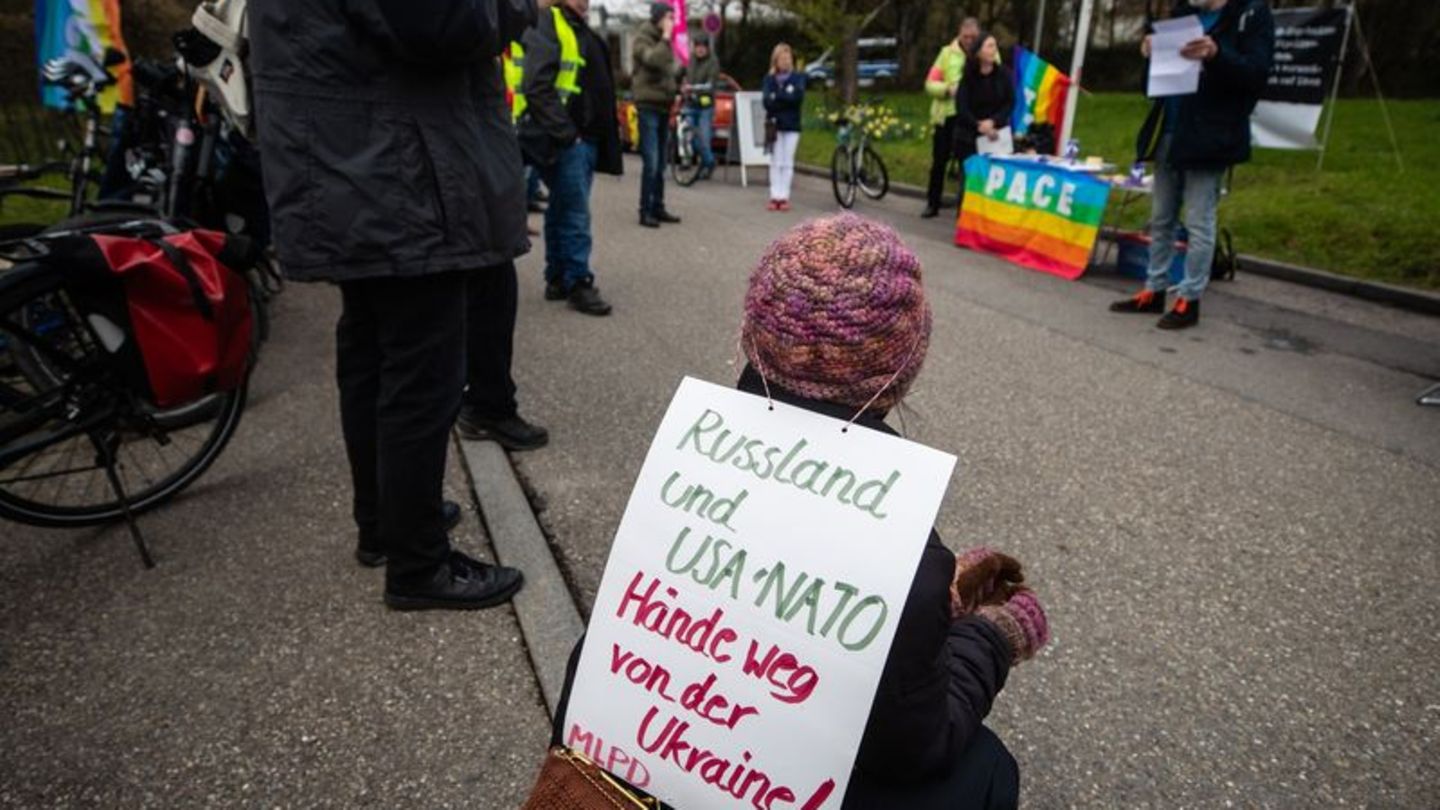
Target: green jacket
704 74
653 74
945 74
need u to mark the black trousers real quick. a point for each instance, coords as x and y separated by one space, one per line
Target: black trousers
491 298
942 149
401 367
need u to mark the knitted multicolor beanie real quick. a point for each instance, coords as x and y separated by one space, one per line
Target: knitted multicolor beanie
983 576
836 312
1022 621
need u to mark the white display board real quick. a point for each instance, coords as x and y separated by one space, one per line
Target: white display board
749 602
750 131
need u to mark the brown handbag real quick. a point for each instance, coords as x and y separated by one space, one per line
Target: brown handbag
570 781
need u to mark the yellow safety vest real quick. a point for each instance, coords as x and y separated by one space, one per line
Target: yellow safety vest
567 80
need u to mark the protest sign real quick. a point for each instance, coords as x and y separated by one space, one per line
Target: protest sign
749 602
1308 42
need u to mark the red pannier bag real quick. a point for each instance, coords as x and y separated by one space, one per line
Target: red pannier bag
174 311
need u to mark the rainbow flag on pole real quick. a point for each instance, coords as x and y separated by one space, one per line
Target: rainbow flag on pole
1040 90
84 26
1033 214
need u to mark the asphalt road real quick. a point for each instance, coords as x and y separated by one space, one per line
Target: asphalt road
256 666
1234 528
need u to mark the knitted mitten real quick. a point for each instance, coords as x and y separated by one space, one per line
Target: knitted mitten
1022 621
982 576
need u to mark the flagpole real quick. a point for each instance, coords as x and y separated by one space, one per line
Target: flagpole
1039 26
1077 63
1335 89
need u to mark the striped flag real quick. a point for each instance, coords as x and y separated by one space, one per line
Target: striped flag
1040 92
1039 216
63 27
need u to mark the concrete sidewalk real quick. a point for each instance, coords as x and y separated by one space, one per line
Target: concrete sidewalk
256 665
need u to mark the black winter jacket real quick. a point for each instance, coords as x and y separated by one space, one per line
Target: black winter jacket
940 677
1213 130
385 139
549 124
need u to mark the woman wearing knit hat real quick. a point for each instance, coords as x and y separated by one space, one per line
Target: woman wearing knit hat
836 322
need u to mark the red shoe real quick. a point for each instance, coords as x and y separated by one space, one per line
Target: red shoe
782 205
772 205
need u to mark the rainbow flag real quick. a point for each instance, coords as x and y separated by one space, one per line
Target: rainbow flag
1035 215
84 26
1042 89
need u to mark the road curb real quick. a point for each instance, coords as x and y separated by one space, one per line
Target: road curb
548 617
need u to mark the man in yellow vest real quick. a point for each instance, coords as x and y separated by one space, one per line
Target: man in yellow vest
568 130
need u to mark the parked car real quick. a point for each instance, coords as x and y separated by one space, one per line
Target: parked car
879 59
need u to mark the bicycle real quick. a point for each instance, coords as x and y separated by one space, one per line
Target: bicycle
78 445
854 165
684 161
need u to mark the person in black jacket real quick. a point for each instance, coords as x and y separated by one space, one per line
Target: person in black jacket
570 134
391 169
965 622
1193 140
983 102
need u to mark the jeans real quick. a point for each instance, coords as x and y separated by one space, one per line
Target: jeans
942 149
567 216
532 183
401 366
1199 191
703 121
654 132
491 295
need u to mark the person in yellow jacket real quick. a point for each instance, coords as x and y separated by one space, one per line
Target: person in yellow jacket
940 84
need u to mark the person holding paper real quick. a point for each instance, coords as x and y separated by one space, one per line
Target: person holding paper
1192 140
983 103
836 322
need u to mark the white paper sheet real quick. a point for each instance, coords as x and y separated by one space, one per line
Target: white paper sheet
1004 144
1170 73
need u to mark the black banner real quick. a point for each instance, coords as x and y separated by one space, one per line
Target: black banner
1307 53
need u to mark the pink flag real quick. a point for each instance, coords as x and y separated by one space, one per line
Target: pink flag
680 37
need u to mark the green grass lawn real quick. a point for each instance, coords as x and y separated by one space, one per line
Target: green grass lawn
1360 216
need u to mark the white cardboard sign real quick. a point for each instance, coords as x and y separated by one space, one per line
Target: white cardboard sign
749 602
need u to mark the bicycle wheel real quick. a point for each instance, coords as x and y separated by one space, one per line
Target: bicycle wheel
873 178
58 409
684 157
842 177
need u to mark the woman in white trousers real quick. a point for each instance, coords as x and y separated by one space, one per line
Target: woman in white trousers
784 97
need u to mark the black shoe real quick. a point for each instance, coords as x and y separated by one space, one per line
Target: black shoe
461 584
667 217
649 221
511 433
535 207
930 212
706 172
1183 315
555 291
585 298
1143 301
371 558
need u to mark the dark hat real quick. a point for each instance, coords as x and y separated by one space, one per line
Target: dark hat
700 38
659 10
